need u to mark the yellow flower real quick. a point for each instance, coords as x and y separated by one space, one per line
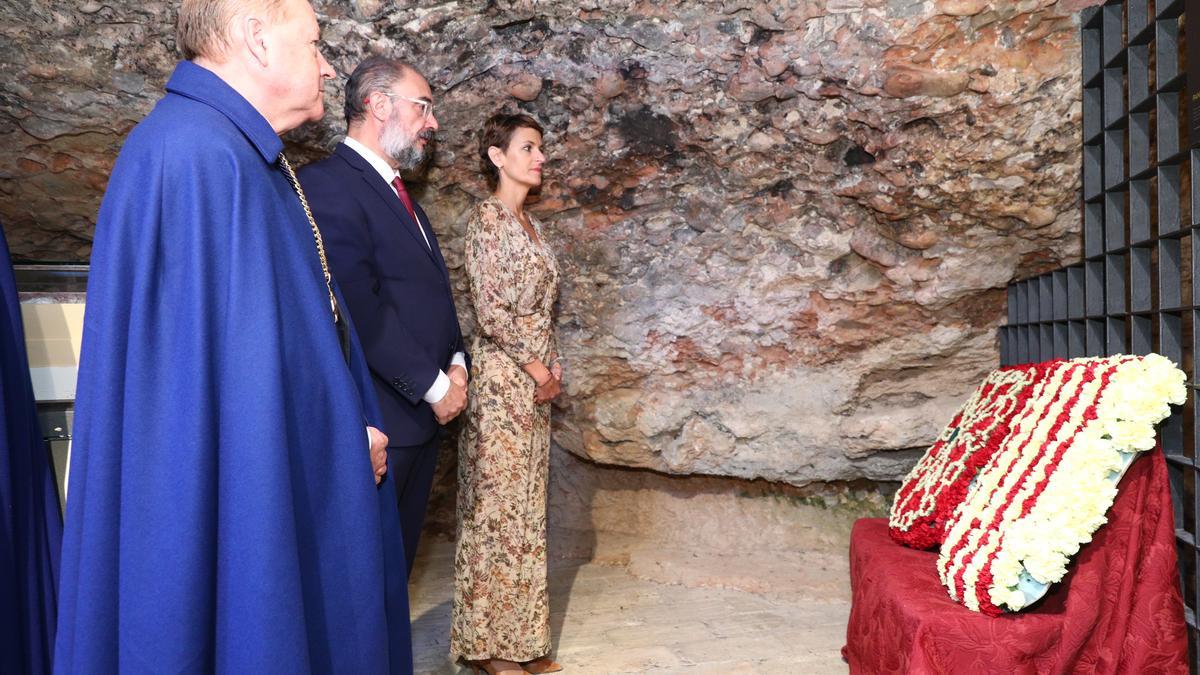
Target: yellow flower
1015 599
1046 566
1006 568
1130 435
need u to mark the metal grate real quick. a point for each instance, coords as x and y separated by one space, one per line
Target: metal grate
1137 289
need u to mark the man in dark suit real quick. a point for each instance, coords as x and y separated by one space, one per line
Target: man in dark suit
385 257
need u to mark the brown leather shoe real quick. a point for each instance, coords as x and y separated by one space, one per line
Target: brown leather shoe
542 665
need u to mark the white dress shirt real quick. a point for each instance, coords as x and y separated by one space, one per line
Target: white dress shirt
442 384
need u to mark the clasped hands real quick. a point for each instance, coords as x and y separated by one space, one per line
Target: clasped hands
446 409
549 384
455 400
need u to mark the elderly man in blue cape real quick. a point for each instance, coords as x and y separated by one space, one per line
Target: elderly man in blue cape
222 512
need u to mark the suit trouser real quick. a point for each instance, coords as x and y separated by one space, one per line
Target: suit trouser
413 467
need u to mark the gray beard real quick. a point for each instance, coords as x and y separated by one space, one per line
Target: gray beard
410 157
404 151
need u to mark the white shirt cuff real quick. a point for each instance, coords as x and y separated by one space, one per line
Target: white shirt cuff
438 391
460 359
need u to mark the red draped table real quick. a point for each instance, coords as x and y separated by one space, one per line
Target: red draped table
1119 610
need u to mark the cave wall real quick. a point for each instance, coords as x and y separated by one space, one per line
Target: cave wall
784 226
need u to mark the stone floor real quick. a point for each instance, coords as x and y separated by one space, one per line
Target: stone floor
632 607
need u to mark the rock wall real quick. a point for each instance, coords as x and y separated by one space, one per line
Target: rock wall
785 225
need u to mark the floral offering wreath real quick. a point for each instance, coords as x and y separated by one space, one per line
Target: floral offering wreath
1050 485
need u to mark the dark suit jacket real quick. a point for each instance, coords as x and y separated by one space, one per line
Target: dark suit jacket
397 289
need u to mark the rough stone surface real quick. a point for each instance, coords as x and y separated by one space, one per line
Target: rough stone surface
784 225
592 505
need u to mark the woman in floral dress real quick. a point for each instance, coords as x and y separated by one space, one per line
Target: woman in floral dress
500 621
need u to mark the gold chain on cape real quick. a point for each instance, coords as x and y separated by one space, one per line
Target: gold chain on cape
291 175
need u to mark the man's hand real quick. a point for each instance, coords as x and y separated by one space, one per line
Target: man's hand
556 370
452 403
458 374
378 452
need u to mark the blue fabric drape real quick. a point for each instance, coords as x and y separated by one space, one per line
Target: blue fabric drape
30 523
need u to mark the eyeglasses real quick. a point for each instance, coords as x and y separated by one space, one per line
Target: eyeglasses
426 105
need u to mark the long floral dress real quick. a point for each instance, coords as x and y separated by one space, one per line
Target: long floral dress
501 608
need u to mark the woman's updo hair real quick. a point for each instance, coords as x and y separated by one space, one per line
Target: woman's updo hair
498 131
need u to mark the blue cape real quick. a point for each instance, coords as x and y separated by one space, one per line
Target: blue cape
30 524
222 513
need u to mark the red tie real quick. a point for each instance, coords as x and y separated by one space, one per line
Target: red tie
404 198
